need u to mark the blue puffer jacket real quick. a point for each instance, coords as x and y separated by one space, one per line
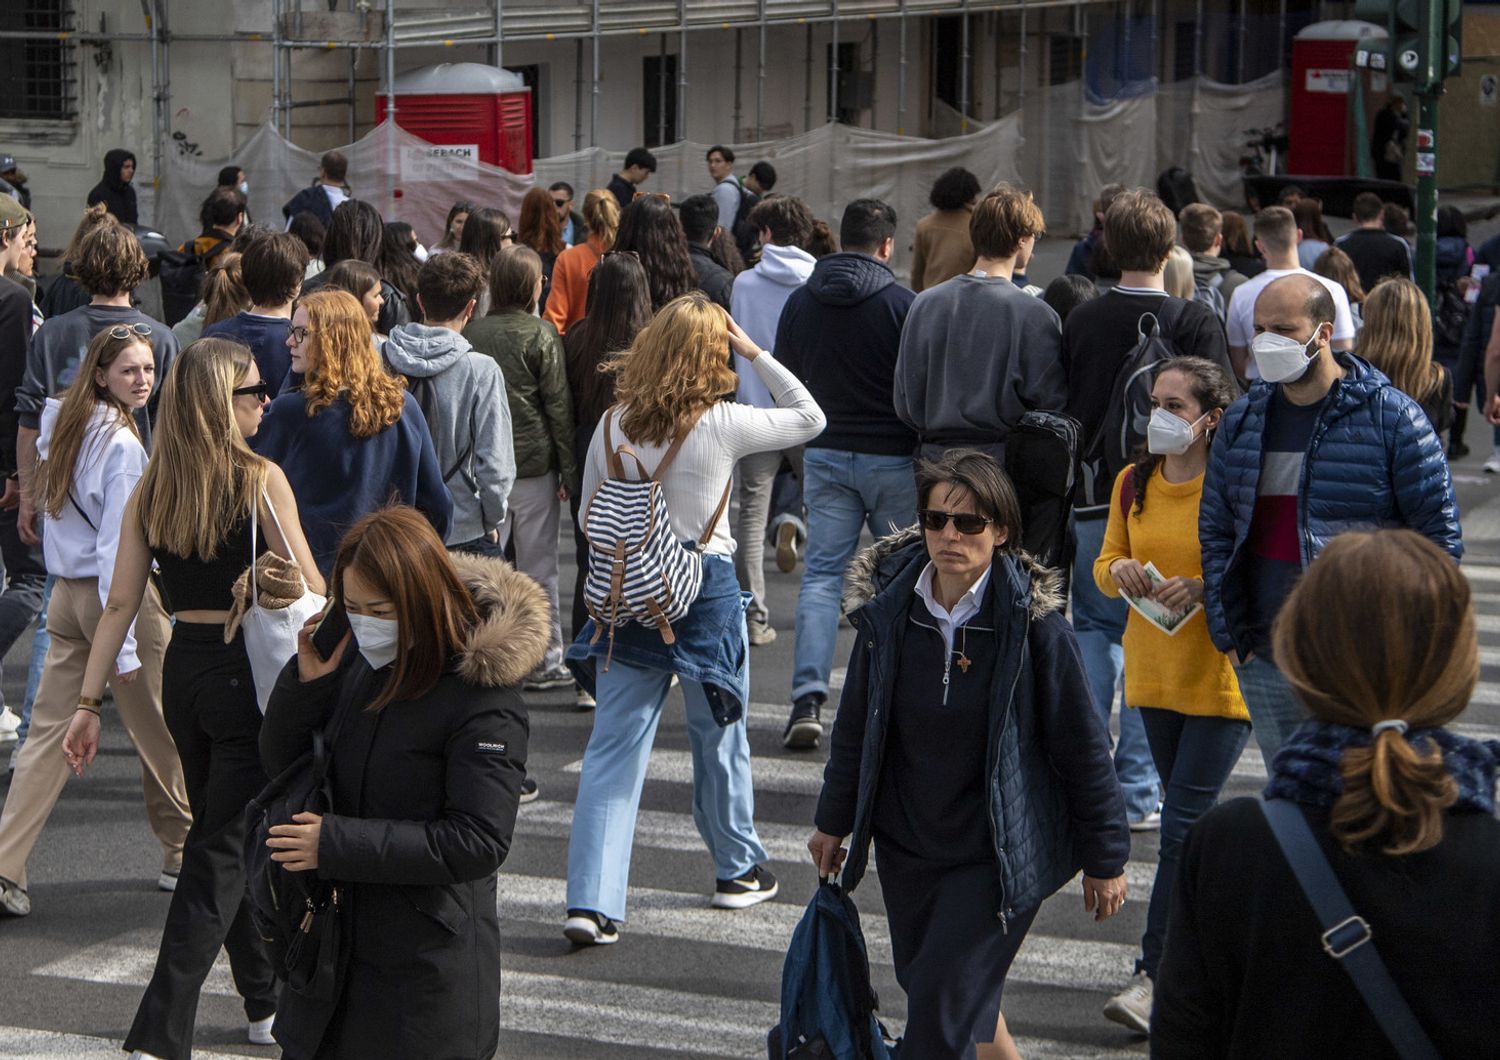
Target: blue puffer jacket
1055 805
1373 462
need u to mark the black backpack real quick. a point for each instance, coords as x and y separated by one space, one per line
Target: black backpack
181 273
1041 458
424 390
1122 433
746 235
1451 317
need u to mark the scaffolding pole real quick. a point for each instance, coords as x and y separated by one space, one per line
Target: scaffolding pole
807 82
156 96
594 89
963 71
661 91
874 71
578 94
833 68
739 70
164 35
901 77
1021 62
760 80
682 82
390 106
495 49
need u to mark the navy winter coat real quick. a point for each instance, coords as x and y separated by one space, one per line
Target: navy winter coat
1373 462
1054 805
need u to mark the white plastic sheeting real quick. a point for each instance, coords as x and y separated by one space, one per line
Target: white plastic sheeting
1062 145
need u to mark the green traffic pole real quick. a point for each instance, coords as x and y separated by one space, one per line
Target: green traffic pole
1427 193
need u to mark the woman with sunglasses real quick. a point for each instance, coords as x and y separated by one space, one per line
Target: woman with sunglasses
570 276
352 439
1185 689
91 458
191 514
670 389
967 746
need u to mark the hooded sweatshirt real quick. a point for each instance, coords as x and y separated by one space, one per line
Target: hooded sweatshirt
82 541
115 193
468 413
1210 270
840 334
757 301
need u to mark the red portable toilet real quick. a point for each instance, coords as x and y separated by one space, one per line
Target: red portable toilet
471 105
1322 76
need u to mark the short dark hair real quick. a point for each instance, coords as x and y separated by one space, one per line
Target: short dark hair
334 165
561 185
221 207
788 218
1367 206
699 215
1451 222
1276 227
954 190
513 277
273 268
986 481
229 176
447 283
725 152
1321 308
352 275
764 174
1066 293
639 156
1139 230
355 231
1201 225
306 227
867 223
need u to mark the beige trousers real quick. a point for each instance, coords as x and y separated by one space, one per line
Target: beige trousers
41 771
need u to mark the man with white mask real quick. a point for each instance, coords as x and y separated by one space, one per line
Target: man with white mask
1323 446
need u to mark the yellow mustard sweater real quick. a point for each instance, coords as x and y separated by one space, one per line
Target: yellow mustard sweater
1185 672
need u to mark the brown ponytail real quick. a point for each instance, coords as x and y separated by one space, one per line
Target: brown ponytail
1381 627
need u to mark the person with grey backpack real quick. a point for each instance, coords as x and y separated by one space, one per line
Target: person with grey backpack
668 603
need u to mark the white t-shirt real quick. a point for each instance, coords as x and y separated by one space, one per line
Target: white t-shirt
1240 320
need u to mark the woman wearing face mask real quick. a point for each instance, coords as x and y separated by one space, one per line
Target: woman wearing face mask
190 513
91 458
429 739
968 747
1184 687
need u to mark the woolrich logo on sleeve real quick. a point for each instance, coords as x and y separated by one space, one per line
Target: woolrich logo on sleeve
491 747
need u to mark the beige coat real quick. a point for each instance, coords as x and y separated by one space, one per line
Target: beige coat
941 249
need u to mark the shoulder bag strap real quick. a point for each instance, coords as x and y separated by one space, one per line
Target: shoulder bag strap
671 453
611 458
252 590
1346 935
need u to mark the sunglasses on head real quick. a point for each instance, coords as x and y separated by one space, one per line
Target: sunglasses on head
967 523
261 390
124 331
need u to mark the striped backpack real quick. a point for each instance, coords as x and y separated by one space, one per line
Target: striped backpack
638 571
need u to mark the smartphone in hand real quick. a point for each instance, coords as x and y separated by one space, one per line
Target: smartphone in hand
330 631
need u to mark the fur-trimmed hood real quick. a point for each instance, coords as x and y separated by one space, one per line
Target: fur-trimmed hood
875 567
514 622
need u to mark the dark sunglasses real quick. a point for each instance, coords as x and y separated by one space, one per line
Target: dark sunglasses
560 203
261 390
934 520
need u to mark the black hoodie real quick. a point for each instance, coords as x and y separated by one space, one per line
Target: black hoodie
840 333
115 193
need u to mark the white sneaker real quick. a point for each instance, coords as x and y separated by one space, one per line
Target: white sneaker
1492 465
1131 1007
1149 823
260 1031
138 1055
167 881
10 722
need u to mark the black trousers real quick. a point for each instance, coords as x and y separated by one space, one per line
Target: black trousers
208 700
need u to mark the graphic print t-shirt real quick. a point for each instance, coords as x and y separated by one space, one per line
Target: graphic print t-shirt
1274 560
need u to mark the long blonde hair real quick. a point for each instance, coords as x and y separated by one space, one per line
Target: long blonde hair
601 212
342 362
71 430
202 477
677 367
1177 277
1397 338
1381 627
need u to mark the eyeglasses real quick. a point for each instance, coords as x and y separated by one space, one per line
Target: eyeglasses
298 335
561 203
261 390
124 331
934 520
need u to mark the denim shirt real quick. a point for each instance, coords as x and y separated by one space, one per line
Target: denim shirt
710 646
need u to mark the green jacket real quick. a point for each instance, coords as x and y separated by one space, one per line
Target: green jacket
530 356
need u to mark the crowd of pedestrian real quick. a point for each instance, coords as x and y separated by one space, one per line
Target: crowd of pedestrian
1262 542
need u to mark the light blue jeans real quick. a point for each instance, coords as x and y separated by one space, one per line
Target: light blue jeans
1274 710
1099 624
614 769
40 642
843 491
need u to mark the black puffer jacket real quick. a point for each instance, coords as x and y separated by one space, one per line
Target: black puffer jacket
115 193
425 796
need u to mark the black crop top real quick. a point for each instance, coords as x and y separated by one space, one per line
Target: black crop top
194 584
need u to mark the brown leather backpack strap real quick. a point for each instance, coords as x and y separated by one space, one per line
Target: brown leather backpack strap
611 458
671 453
718 514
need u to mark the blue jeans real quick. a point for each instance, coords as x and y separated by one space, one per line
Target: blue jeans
844 491
40 642
1195 757
1274 710
614 770
1099 624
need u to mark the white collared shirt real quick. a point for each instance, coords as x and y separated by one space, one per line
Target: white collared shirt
966 608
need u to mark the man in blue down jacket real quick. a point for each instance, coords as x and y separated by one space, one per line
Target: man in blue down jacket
1327 447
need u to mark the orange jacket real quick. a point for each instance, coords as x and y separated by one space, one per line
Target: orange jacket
570 283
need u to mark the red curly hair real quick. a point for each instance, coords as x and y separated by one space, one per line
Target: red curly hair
342 362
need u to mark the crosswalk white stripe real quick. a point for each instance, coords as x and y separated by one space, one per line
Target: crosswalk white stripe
24 1043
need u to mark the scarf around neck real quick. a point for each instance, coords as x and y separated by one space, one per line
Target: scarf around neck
1306 769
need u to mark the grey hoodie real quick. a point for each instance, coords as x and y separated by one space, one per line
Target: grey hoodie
1210 270
469 417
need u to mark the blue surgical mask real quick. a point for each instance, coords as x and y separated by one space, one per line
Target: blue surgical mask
376 638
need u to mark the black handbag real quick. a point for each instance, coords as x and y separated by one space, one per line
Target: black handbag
296 913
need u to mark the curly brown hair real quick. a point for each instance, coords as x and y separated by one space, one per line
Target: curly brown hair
674 370
342 363
110 261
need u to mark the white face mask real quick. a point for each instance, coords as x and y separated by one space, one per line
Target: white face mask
244 187
1168 434
1281 359
376 638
